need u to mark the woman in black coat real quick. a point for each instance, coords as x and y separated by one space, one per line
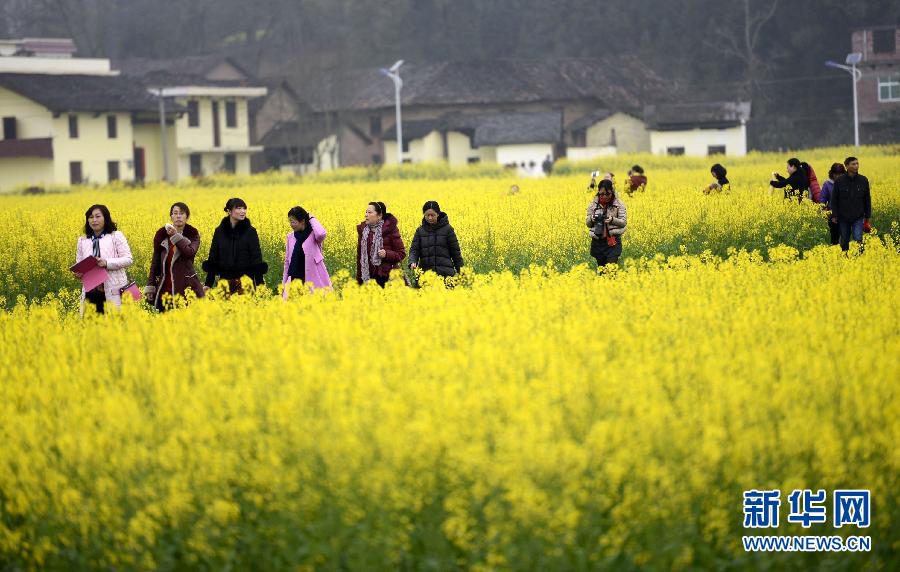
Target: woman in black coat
235 250
795 184
435 246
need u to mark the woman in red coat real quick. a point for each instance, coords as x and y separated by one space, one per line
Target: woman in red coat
172 267
380 248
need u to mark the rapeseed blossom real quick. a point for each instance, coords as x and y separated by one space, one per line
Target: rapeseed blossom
539 415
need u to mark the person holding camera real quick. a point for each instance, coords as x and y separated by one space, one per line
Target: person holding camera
794 185
606 219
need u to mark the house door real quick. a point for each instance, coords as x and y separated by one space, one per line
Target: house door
140 164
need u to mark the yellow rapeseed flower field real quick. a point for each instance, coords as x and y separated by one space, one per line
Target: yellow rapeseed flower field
542 416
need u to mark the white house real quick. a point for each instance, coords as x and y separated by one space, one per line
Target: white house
698 129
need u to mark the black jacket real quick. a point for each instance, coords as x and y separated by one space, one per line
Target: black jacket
850 198
435 247
235 252
796 180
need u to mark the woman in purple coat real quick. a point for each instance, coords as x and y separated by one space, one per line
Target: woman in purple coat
303 259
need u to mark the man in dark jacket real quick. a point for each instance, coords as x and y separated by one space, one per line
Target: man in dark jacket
435 246
851 203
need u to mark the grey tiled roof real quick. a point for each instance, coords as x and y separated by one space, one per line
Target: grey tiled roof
61 93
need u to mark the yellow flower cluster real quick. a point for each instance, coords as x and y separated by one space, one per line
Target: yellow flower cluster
498 231
542 416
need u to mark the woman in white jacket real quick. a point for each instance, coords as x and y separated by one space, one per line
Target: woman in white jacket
102 241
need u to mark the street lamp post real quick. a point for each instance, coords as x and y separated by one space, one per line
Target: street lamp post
394 73
162 134
850 67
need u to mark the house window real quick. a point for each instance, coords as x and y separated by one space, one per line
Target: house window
375 125
73 127
193 114
884 41
715 150
612 137
112 128
230 163
230 114
112 171
889 88
473 160
9 128
376 159
675 151
196 165
405 146
75 173
579 138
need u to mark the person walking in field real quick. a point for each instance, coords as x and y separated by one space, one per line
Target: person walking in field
794 185
235 251
435 246
303 258
637 181
721 183
851 204
606 219
172 266
837 169
380 247
108 246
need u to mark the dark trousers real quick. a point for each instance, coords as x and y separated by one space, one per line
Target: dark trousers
605 254
96 297
847 228
381 280
835 231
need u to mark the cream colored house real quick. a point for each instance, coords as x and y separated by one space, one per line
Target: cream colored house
68 129
69 121
699 129
213 135
606 132
521 140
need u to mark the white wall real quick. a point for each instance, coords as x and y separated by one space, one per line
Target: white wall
697 141
586 153
518 154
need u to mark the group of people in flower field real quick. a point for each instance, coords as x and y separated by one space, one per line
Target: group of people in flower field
845 196
235 251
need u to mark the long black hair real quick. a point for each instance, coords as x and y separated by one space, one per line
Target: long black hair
718 171
108 224
433 205
298 214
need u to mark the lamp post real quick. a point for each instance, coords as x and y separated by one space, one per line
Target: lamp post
394 73
162 134
850 67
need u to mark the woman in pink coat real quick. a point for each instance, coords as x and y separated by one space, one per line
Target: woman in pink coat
303 259
102 241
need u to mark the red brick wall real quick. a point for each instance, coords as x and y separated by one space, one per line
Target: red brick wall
874 66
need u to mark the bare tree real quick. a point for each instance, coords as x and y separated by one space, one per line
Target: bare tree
743 40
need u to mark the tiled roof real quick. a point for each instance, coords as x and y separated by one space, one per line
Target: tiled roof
61 93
